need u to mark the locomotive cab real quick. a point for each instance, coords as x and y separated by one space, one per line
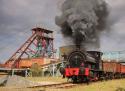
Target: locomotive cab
97 67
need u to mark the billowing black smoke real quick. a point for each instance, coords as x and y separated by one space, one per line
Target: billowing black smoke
82 20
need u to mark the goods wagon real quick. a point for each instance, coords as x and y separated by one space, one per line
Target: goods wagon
111 67
123 69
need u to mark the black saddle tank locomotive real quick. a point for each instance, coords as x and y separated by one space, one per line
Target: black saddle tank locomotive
83 66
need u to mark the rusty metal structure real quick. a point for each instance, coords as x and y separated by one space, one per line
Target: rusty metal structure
35 49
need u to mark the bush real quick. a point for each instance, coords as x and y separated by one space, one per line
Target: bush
35 70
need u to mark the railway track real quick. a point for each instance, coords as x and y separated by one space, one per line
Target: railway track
56 86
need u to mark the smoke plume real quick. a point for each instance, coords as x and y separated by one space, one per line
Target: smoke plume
83 20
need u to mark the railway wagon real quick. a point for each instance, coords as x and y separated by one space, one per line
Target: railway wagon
122 70
111 70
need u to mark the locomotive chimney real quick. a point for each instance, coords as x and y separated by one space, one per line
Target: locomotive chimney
78 47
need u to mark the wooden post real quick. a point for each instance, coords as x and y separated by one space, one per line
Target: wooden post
12 72
26 73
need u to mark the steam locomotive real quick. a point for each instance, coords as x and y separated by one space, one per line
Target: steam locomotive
86 66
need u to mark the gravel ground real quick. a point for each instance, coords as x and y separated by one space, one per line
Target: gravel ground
16 81
3 80
20 82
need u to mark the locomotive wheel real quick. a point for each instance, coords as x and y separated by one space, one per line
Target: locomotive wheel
74 79
87 80
81 79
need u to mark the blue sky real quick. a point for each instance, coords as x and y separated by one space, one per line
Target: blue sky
18 17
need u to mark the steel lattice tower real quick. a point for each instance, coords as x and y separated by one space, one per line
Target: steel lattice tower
40 44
